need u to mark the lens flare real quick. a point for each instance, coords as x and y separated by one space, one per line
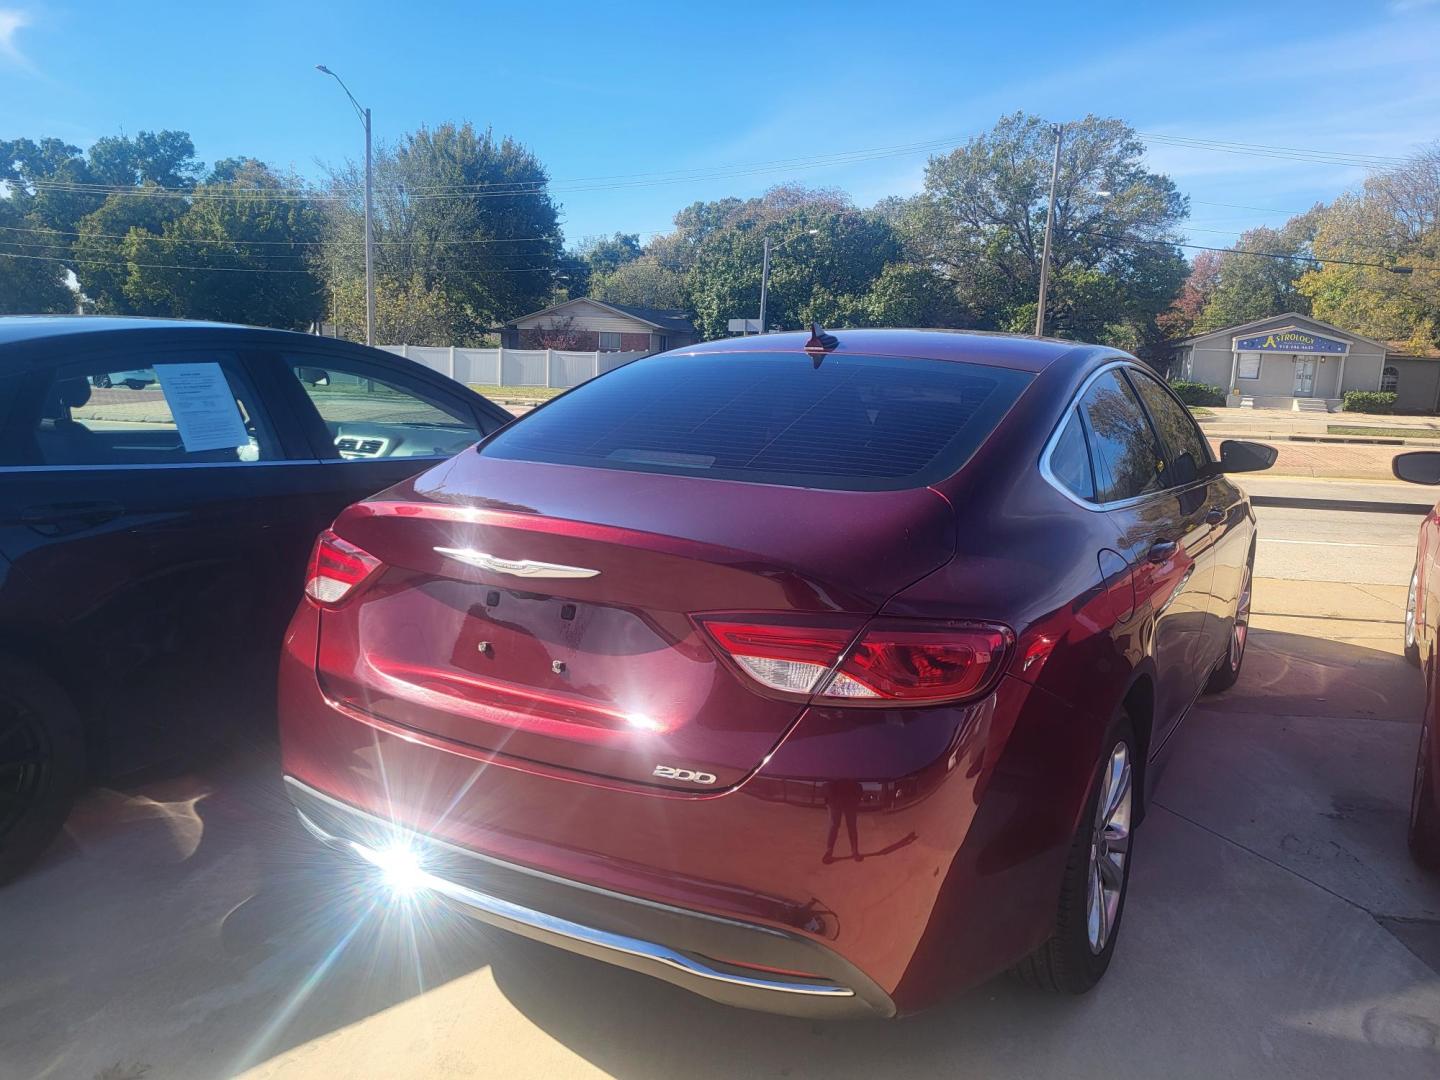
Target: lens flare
399 866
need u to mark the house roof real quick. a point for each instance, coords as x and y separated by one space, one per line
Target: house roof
660 318
1235 331
1406 351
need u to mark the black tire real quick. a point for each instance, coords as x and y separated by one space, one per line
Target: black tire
1411 640
1424 830
1066 963
103 382
1228 673
42 764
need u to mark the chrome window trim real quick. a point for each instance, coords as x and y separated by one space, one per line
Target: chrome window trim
1070 408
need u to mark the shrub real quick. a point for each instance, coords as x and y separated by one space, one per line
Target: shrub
1197 393
1369 401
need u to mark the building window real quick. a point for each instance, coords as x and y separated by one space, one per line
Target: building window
1389 379
1249 366
609 342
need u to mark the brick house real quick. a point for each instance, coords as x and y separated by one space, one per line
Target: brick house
587 325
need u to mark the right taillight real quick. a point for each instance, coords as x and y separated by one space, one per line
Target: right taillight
337 569
894 662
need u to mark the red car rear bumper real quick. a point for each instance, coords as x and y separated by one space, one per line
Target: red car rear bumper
893 855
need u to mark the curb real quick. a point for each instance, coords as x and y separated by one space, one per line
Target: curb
1353 505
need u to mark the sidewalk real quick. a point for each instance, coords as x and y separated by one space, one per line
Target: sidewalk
1277 423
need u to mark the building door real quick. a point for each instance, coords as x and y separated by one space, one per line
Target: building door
1304 377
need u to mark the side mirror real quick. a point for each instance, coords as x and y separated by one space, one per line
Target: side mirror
1418 467
1238 455
314 376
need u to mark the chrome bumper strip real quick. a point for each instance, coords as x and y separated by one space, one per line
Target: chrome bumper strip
508 915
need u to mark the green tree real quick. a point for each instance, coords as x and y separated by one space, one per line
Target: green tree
907 295
980 222
1252 287
242 251
823 272
101 249
605 254
465 214
1393 221
644 282
31 283
406 312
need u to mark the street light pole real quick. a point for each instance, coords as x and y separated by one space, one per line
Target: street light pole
1049 222
764 283
765 272
369 239
364 115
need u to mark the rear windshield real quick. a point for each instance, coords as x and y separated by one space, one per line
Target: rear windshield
857 423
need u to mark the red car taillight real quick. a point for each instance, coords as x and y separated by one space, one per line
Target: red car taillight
894 661
337 568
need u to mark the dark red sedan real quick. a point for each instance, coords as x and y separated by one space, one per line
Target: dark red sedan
813 675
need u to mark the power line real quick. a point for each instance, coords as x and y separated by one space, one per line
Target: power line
248 269
1262 254
284 243
1241 206
1318 157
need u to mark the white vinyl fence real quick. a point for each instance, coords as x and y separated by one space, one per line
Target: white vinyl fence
514 367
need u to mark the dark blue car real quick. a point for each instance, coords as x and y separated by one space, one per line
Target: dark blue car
153 534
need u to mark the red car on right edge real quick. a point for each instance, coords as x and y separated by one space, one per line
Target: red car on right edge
1422 638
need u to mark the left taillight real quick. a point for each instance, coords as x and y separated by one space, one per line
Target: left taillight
337 569
894 661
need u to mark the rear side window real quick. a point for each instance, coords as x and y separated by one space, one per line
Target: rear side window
1177 431
1128 460
857 423
1070 459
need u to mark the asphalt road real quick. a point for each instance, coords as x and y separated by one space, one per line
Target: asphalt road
187 928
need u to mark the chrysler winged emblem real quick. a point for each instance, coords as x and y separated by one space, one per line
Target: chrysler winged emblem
525 568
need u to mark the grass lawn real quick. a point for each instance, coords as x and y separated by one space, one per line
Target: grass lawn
1383 432
518 393
1200 410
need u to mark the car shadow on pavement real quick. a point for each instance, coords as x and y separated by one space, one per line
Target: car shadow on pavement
189 926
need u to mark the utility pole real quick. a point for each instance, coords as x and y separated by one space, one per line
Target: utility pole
764 284
364 115
1059 130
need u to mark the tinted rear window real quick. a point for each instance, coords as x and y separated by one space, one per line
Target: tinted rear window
858 423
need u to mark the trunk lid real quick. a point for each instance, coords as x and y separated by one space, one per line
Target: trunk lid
550 618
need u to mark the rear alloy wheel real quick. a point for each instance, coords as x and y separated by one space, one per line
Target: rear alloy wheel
1412 644
1097 874
1228 673
42 763
1424 831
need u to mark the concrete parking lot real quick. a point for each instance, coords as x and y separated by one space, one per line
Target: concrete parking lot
186 928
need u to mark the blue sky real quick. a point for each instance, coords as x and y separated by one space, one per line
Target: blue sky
641 88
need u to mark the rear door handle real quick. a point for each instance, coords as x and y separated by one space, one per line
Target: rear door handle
57 518
1162 550
1214 516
